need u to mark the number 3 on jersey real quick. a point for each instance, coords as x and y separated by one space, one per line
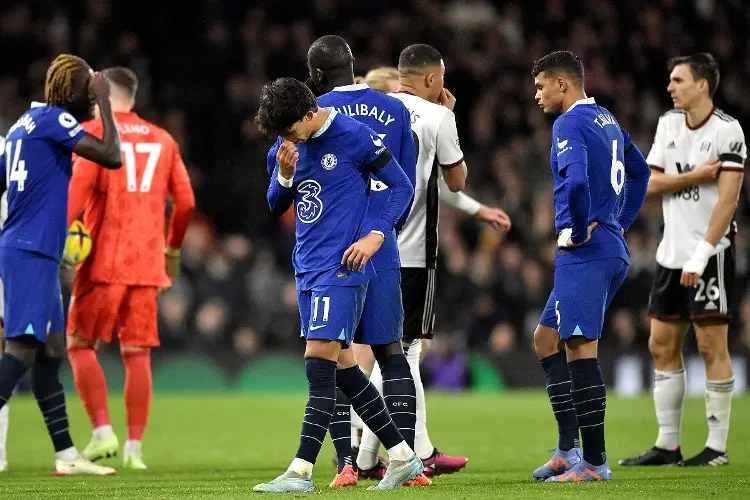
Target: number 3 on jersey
15 168
617 174
129 150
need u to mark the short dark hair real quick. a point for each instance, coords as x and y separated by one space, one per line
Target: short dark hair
330 52
124 78
703 66
560 62
418 57
283 102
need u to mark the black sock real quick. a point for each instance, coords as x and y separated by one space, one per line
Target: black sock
50 396
368 404
557 375
321 402
11 371
400 395
341 430
590 400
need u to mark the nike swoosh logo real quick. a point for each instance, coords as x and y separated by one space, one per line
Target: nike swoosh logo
318 327
562 144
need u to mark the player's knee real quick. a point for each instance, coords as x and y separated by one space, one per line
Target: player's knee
382 352
546 341
712 349
129 349
663 347
55 345
23 349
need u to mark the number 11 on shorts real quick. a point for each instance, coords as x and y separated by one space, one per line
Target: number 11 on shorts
326 308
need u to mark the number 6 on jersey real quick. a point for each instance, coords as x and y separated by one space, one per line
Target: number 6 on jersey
129 150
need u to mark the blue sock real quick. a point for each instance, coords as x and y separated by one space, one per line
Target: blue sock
557 375
368 404
50 396
11 371
341 430
590 401
400 395
321 382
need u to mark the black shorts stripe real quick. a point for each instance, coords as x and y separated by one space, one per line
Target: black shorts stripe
431 220
418 292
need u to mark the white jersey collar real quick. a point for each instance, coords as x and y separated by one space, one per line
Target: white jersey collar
327 123
351 88
588 100
37 104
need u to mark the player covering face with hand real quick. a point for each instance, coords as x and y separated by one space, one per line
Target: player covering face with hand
37 168
600 180
322 163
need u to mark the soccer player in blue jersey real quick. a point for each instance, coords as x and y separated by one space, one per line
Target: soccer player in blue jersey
37 167
323 165
600 180
331 65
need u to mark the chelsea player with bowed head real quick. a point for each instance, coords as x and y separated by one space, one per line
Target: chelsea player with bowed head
322 166
331 65
37 168
600 180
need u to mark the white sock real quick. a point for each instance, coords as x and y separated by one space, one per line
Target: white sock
669 396
301 467
370 444
357 426
400 452
132 447
67 455
3 429
103 432
718 410
422 444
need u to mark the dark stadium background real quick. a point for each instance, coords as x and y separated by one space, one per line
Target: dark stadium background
201 66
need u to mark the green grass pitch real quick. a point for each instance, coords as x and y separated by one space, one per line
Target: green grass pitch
216 447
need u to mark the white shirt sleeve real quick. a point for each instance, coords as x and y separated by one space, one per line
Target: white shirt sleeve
656 156
731 146
449 152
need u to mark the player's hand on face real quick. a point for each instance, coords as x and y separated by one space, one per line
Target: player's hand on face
495 217
447 99
356 256
708 171
99 87
287 156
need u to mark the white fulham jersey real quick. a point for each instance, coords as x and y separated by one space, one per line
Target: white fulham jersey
436 139
678 149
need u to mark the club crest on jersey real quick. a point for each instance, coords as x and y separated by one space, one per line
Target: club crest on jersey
329 161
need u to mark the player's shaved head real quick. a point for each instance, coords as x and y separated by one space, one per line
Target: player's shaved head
124 79
558 64
330 52
418 59
331 63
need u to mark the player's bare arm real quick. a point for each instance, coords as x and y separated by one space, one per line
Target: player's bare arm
356 256
729 184
494 217
661 183
105 151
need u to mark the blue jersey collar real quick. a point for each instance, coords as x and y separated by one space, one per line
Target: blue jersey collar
351 88
588 100
327 123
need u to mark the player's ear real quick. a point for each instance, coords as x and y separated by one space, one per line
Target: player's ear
429 80
320 76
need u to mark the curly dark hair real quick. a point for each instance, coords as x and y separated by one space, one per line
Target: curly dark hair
283 102
562 62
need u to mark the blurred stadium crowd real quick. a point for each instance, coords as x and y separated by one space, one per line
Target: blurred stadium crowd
202 62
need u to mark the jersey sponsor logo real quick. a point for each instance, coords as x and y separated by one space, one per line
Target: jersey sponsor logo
706 147
329 161
735 147
310 207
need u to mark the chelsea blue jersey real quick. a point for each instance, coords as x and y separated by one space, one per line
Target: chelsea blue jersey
391 121
37 164
589 142
330 198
